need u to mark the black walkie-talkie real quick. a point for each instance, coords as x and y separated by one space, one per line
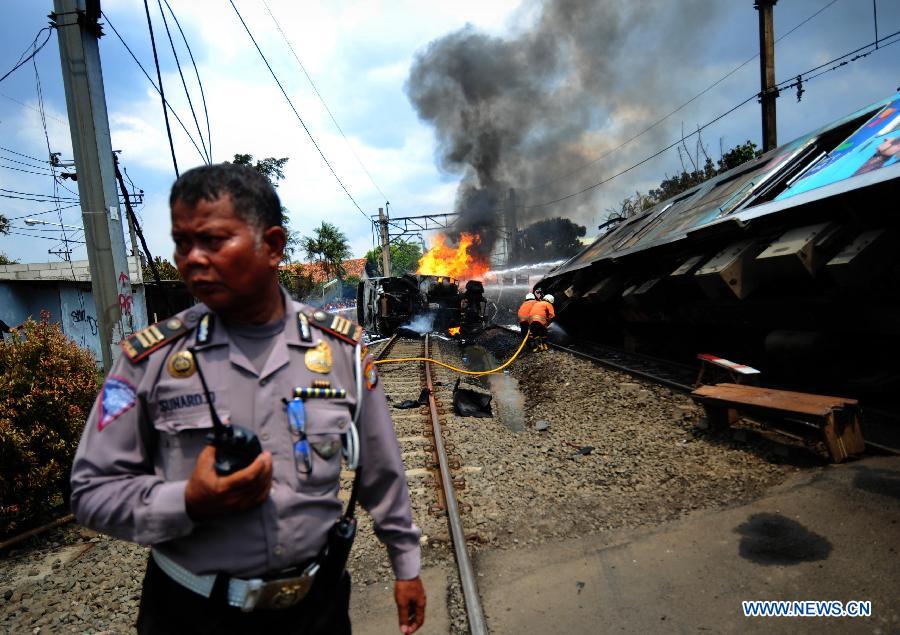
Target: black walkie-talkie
236 446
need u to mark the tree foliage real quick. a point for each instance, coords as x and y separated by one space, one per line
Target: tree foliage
273 170
549 239
47 386
328 246
298 283
674 185
405 258
167 271
6 260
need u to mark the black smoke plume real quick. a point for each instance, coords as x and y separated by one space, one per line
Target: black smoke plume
517 112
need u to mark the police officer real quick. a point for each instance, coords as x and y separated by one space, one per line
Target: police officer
240 552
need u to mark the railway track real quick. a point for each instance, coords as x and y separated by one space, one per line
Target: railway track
676 376
424 451
883 426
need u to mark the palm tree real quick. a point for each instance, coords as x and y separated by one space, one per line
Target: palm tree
329 246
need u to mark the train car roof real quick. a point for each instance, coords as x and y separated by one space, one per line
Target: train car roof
741 194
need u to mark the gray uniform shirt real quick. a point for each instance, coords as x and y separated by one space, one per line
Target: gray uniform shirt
148 425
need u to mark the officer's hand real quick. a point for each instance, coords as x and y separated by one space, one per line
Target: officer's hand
209 495
410 598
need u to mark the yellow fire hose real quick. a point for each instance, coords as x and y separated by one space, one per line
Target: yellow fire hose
454 368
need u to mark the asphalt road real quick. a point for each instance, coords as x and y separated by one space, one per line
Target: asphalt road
827 534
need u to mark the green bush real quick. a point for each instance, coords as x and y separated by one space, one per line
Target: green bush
47 387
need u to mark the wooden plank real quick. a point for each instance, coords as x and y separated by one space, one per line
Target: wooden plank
771 399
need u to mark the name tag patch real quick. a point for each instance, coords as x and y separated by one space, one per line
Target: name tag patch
118 397
184 401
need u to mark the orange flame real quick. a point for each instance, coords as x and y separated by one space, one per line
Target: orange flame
456 262
453 331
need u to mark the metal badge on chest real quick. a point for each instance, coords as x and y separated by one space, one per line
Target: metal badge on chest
318 358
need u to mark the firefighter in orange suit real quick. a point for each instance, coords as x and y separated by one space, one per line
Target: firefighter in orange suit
542 315
525 312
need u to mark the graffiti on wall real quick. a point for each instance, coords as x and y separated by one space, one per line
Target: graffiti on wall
79 316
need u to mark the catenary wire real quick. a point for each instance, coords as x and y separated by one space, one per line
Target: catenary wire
162 90
672 112
297 114
187 93
155 87
322 99
199 81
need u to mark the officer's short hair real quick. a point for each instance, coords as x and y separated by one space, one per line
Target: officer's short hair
252 195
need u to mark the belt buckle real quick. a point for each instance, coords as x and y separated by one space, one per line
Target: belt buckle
283 594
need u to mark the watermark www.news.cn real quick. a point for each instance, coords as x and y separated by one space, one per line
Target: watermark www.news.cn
806 608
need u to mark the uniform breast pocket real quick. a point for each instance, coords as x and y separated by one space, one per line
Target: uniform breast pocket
325 423
180 442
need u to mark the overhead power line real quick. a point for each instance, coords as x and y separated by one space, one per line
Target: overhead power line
197 73
35 50
155 87
297 114
162 92
680 140
322 99
672 112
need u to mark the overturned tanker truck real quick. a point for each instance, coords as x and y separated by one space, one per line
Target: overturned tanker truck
789 262
384 304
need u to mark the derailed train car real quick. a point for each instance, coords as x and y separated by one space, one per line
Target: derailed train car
788 262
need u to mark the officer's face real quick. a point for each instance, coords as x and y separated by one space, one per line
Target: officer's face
226 263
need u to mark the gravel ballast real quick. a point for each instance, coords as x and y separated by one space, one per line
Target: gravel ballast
596 451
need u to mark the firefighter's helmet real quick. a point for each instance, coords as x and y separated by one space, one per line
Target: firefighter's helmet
548 298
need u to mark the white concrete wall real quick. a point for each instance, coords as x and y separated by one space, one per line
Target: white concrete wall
77 270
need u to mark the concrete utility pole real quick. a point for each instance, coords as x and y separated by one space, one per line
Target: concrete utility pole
385 242
768 92
78 32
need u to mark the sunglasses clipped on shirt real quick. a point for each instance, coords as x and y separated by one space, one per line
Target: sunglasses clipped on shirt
297 421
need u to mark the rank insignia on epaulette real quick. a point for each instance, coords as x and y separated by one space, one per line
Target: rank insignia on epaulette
303 326
338 326
204 330
140 344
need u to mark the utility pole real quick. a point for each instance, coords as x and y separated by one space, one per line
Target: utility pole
78 32
132 224
385 242
768 92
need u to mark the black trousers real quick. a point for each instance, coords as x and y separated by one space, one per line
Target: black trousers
167 608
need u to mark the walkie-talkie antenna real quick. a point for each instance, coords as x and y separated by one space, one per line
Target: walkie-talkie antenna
217 423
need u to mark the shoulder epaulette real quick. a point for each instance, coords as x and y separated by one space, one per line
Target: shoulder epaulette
340 327
140 344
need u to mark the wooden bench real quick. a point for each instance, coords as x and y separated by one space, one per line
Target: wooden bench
835 420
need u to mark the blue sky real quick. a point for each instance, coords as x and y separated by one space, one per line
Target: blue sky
359 55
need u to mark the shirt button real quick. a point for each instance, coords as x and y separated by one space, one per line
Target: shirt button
264 436
278 550
263 382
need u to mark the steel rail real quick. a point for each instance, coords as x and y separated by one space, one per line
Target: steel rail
626 369
617 366
474 611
